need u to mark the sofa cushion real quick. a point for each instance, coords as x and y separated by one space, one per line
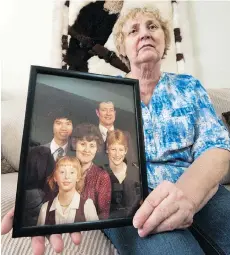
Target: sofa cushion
13 114
226 119
6 167
221 102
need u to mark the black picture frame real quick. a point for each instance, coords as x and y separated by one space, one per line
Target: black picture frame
21 230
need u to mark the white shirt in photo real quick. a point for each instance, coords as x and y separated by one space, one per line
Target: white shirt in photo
54 149
104 131
69 214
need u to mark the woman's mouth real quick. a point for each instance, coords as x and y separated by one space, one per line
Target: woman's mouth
117 159
66 183
146 46
86 154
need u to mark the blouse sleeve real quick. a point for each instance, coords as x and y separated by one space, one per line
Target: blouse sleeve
210 131
90 211
42 215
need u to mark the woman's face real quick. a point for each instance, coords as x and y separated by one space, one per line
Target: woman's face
66 177
116 153
144 40
86 151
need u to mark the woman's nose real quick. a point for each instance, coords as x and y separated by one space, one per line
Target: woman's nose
66 174
87 148
117 153
144 33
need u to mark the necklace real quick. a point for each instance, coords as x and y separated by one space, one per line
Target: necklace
65 205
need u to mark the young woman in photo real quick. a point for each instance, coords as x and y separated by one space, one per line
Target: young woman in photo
125 189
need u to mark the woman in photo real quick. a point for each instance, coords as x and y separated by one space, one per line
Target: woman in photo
68 206
125 190
87 141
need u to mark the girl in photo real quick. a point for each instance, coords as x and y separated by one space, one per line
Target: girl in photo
68 206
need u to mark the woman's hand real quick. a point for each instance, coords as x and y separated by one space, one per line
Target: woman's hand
38 242
166 208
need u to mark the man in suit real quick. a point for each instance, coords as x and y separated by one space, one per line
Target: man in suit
41 163
107 115
62 129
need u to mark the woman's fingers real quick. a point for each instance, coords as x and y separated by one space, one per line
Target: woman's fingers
7 222
38 245
149 205
56 242
76 237
161 213
172 223
38 242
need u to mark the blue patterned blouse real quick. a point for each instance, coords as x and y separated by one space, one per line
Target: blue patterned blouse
179 124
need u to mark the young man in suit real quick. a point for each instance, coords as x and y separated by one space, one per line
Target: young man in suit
62 129
41 162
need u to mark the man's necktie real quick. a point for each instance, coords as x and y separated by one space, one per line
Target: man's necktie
60 152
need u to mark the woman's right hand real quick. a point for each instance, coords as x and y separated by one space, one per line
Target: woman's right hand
38 242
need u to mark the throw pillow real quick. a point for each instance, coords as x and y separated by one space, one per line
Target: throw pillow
6 167
226 119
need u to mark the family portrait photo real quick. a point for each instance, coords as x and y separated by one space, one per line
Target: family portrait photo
82 150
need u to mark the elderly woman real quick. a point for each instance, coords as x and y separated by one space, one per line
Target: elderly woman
187 151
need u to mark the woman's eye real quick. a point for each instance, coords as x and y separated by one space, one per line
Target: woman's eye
132 31
152 27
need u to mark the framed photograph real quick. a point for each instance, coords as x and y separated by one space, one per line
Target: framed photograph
82 164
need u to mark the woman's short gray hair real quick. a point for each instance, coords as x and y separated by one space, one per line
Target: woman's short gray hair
118 29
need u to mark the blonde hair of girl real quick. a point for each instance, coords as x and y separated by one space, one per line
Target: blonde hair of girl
72 162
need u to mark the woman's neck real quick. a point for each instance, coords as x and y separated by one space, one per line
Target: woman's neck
65 197
148 75
86 166
119 171
117 168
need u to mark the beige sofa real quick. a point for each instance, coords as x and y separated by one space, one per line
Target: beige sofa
94 242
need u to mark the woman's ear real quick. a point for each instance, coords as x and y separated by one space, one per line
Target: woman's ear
122 51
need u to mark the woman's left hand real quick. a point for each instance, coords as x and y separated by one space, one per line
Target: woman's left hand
166 208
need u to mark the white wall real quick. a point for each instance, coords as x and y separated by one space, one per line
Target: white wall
26 30
209 21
